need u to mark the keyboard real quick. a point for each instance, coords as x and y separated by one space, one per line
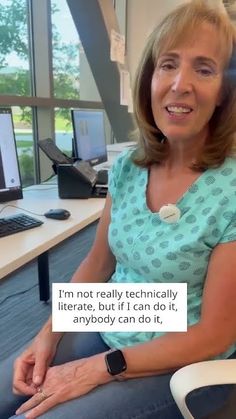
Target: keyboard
16 223
102 177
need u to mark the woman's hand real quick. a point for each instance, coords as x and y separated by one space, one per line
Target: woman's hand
65 382
31 366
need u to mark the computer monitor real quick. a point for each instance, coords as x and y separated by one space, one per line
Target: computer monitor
10 180
89 135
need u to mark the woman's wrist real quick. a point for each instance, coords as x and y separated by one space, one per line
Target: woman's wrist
47 332
95 367
101 367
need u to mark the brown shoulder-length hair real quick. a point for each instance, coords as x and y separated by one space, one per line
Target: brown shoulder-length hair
174 29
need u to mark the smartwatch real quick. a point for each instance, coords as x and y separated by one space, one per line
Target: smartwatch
115 362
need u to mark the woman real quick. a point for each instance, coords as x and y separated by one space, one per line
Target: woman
184 100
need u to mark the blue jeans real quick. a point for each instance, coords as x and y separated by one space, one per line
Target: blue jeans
140 398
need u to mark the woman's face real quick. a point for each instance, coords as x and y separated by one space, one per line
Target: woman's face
187 85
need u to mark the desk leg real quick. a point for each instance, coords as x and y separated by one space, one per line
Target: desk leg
43 274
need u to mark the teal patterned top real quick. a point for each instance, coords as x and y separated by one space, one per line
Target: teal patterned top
150 250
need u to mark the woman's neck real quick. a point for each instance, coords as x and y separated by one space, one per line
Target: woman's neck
181 158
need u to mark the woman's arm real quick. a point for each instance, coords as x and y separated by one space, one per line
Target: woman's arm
212 335
31 366
98 266
100 262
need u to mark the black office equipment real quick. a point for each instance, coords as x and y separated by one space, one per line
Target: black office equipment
78 180
86 171
16 223
10 180
54 153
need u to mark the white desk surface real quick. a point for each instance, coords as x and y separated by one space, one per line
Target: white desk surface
118 147
20 248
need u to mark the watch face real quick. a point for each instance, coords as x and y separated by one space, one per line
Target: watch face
115 362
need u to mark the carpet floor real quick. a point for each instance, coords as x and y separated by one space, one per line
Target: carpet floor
21 312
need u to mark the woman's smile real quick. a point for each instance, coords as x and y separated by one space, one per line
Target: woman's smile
178 112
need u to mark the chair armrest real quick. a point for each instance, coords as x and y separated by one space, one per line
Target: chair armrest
200 374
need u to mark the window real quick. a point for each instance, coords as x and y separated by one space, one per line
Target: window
72 76
63 128
65 43
22 118
14 48
41 78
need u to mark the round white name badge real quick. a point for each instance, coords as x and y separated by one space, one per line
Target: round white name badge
169 213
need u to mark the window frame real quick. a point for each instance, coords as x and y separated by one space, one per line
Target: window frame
42 100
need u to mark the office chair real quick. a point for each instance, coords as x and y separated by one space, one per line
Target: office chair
198 375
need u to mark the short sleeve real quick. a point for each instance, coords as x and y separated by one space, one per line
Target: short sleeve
229 234
115 172
112 178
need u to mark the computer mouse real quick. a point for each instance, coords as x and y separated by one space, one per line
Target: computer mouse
57 214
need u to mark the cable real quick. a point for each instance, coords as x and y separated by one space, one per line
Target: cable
50 177
17 293
23 209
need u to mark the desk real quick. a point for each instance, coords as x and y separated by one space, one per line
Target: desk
20 248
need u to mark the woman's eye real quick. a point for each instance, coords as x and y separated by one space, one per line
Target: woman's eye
205 72
167 66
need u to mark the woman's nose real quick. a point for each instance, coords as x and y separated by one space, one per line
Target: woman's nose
182 82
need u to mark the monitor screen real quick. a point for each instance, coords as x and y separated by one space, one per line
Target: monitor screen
89 135
10 181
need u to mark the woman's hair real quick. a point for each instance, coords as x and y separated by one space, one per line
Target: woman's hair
174 29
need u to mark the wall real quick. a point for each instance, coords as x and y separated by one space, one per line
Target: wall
142 16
